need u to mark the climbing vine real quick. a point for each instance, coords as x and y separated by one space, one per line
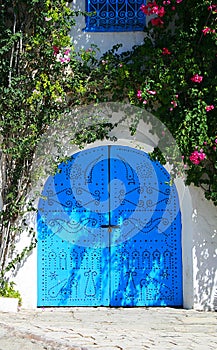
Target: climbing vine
173 75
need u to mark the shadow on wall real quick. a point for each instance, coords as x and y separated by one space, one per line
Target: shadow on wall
204 251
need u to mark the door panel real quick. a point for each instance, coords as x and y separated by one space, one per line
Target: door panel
146 267
73 259
109 230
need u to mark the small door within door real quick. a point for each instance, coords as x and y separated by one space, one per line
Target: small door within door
109 232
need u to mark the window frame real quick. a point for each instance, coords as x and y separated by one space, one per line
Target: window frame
115 20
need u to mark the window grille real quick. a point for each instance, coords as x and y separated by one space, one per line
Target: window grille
114 15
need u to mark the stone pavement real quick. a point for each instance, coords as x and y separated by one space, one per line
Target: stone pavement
108 329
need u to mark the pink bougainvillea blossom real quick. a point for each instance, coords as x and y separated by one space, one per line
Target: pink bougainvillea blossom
213 8
139 94
174 103
206 30
62 57
161 11
178 1
209 108
153 9
151 92
166 2
197 157
56 50
67 52
157 22
165 51
197 78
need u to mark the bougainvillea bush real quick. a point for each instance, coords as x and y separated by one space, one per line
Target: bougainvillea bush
173 75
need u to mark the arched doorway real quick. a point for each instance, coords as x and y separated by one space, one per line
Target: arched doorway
109 232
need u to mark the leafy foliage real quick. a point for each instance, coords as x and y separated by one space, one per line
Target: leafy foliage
172 74
41 77
7 290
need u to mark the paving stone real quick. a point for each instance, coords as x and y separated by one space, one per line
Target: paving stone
109 329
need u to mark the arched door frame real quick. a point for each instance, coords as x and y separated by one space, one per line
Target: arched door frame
144 141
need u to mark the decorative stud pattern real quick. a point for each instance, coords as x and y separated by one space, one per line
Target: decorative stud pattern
109 232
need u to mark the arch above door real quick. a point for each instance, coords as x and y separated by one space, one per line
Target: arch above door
109 232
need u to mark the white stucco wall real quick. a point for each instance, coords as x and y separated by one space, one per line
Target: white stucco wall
199 251
204 221
199 216
104 41
199 243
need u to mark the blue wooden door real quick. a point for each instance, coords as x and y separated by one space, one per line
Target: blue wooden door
109 232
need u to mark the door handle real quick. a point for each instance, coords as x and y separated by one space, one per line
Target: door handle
110 227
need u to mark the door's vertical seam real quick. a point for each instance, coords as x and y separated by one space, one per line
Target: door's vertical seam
109 209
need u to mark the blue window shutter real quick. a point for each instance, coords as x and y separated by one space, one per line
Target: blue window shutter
114 16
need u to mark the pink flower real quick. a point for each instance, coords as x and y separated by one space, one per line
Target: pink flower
213 8
157 22
215 140
206 30
47 19
153 9
167 2
139 94
197 78
196 157
64 59
67 52
165 51
174 103
151 92
145 102
209 108
56 50
145 9
178 1
161 11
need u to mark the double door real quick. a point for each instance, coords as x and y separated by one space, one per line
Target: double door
109 232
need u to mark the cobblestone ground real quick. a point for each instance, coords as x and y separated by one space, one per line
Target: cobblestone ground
108 328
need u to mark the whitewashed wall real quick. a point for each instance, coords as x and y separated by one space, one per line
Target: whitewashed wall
199 216
199 247
199 250
204 221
